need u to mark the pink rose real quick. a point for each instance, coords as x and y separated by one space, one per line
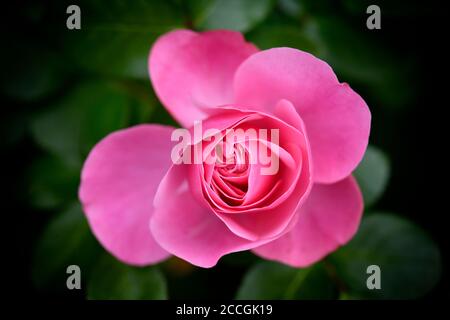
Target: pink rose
144 201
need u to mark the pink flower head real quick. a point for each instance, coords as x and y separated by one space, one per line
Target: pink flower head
152 191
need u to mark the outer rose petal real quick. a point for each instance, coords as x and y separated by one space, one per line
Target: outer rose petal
192 71
118 183
187 228
329 218
337 119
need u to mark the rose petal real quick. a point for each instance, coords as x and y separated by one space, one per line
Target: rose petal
118 182
275 218
192 71
329 218
264 218
285 111
187 228
337 119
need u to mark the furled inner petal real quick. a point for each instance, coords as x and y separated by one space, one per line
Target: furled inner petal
254 204
231 174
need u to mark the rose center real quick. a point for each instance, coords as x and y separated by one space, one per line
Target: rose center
230 175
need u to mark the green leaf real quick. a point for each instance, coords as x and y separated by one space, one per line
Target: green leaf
13 128
145 107
372 175
240 259
112 279
116 36
239 15
51 183
390 8
30 72
84 116
282 35
358 57
67 240
410 262
292 8
271 280
299 8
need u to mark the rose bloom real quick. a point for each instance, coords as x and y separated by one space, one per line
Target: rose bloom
143 206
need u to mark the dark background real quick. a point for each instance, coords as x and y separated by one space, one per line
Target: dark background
42 62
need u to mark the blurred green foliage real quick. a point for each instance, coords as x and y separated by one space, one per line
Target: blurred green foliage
82 85
66 240
83 116
52 183
113 280
228 14
270 280
40 72
372 175
116 35
409 261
